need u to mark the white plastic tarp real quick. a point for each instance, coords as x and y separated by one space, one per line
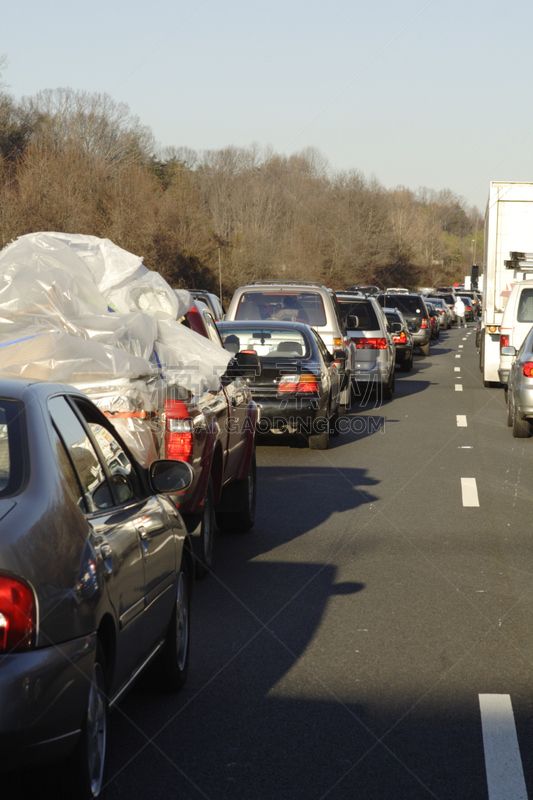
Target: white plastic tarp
81 310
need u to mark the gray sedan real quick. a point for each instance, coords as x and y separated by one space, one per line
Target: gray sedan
95 578
520 388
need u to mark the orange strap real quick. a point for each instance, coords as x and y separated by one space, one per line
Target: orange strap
126 414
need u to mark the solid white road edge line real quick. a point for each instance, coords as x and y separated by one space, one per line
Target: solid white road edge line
461 421
469 492
503 764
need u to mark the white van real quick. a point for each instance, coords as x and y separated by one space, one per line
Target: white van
516 323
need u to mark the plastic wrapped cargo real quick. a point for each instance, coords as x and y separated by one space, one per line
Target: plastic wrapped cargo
81 310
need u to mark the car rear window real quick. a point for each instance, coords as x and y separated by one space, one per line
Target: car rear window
12 454
525 306
363 310
406 303
267 343
290 306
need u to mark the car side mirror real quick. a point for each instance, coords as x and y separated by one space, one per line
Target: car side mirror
339 355
396 327
168 476
352 321
508 351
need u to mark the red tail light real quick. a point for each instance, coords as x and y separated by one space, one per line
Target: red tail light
504 340
424 323
178 431
17 614
527 369
370 344
298 384
401 339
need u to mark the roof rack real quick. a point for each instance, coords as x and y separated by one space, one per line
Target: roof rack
285 283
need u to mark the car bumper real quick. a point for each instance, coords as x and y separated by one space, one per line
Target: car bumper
294 416
421 337
503 375
43 697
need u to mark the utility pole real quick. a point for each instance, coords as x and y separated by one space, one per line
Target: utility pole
220 274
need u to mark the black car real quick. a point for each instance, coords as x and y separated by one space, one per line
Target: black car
402 336
95 578
414 309
298 388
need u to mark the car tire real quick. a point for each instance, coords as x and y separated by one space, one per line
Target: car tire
320 441
388 389
521 427
425 349
509 411
172 663
202 536
407 363
245 496
86 765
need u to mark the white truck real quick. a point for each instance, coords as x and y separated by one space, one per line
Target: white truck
508 257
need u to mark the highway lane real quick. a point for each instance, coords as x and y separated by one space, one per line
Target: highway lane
340 650
372 637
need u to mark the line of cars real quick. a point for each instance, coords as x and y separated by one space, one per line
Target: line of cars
99 553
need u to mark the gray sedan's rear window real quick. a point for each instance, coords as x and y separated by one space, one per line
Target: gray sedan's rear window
363 310
281 305
11 449
525 306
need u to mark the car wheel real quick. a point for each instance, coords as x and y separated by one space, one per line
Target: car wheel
172 663
320 441
245 495
388 390
203 535
87 763
424 349
521 427
407 363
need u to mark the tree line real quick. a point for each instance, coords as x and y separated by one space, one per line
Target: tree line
80 162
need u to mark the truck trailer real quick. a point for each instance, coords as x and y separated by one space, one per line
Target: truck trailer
508 258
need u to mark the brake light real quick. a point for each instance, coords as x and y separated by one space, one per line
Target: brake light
504 340
17 614
424 323
527 369
298 384
178 431
370 344
401 339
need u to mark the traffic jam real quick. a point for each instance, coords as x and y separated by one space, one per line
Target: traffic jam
146 436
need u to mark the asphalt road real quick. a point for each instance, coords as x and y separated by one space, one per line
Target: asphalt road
372 637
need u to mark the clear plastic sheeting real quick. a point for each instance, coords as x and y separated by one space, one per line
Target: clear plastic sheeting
81 310
88 288
135 408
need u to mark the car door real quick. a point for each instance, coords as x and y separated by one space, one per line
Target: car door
153 520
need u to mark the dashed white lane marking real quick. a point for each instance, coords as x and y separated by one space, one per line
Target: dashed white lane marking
464 340
457 369
461 421
503 764
461 346
469 492
458 387
458 355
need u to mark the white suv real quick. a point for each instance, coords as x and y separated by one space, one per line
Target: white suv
299 301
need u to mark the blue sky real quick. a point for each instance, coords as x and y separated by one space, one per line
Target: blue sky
417 93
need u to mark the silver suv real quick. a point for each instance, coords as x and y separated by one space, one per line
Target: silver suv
367 327
299 301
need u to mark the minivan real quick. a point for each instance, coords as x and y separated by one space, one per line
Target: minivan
516 323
